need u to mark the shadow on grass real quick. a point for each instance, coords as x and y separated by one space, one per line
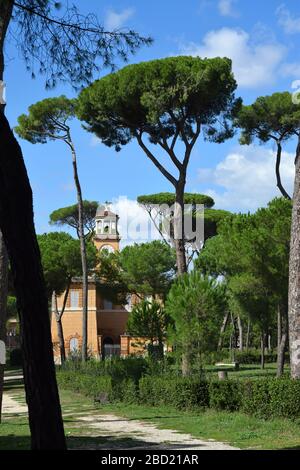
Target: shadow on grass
114 443
14 442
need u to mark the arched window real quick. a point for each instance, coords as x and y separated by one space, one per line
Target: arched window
74 345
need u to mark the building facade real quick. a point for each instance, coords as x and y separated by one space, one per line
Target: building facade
106 321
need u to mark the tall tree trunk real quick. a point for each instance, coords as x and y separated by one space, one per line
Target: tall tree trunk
3 306
262 346
6 7
278 176
241 339
248 335
16 223
85 280
294 276
222 330
60 332
179 239
282 339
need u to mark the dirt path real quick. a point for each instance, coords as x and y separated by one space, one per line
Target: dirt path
147 436
106 431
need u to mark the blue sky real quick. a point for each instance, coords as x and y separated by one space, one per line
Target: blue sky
260 37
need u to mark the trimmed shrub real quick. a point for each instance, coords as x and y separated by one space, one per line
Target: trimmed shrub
180 392
225 395
256 398
86 384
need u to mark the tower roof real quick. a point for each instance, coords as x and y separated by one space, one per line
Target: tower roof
104 211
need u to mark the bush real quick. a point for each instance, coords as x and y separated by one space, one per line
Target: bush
225 395
15 358
86 384
180 392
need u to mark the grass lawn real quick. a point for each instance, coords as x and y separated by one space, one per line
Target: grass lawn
237 429
245 371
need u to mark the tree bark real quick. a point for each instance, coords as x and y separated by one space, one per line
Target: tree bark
82 239
262 346
16 223
3 306
248 335
278 176
240 327
179 228
222 330
294 276
60 332
282 339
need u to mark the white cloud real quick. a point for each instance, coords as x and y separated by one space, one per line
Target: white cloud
291 69
95 141
226 8
290 23
115 20
253 64
134 224
246 178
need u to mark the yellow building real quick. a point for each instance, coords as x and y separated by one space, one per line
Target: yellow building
106 321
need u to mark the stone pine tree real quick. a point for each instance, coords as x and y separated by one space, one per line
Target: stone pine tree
64 46
171 102
50 120
158 206
272 118
277 117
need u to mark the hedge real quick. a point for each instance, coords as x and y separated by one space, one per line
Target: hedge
264 398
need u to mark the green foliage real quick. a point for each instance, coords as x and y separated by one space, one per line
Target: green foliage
61 259
69 216
257 278
269 117
196 304
169 199
146 268
158 97
225 395
12 311
181 392
149 320
46 120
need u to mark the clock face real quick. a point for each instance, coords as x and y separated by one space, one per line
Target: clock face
107 248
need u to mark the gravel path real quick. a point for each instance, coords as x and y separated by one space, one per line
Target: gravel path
147 436
115 432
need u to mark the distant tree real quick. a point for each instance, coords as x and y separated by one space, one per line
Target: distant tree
49 120
159 206
277 117
149 320
69 216
196 304
141 269
61 261
68 47
262 243
271 118
167 100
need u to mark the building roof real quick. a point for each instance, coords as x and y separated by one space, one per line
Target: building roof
104 211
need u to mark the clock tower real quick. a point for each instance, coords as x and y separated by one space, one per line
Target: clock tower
106 234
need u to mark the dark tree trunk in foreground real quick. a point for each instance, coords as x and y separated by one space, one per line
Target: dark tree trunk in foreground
282 339
278 176
3 301
16 223
294 277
